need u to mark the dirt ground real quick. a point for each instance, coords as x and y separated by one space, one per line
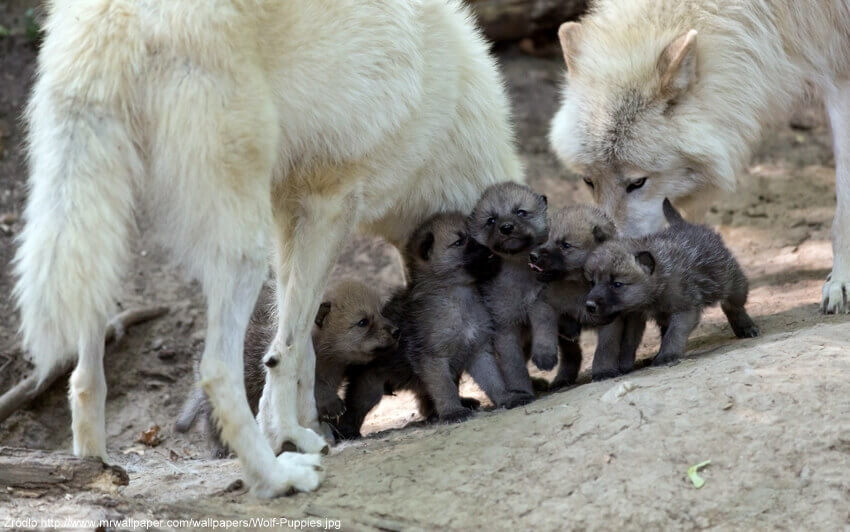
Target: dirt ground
772 414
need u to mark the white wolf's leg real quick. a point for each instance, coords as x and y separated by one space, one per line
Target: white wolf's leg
214 149
232 287
74 246
88 398
309 244
835 291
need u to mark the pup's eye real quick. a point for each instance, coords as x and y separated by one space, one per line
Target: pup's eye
521 213
363 323
566 245
636 184
617 284
459 242
588 182
491 220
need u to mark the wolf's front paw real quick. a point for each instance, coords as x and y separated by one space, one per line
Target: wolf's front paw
294 472
835 300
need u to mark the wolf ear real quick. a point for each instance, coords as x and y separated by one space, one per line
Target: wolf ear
646 261
324 308
601 233
677 65
426 246
569 34
544 199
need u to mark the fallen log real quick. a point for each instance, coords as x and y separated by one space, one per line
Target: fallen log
28 469
30 388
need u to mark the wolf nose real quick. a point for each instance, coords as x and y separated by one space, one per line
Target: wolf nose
591 306
533 257
396 332
506 229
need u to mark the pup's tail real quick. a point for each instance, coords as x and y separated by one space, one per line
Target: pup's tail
79 215
672 215
190 410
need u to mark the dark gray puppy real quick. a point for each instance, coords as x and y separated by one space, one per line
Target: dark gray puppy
510 219
574 232
445 329
350 329
671 276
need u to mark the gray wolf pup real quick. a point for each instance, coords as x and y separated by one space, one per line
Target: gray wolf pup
671 276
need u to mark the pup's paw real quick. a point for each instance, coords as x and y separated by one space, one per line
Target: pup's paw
559 383
470 403
331 409
835 298
663 359
545 360
455 416
540 385
516 399
604 374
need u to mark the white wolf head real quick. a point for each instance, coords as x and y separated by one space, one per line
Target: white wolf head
632 122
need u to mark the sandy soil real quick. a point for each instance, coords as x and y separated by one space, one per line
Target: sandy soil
770 413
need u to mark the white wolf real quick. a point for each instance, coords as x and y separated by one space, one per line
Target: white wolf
665 98
233 120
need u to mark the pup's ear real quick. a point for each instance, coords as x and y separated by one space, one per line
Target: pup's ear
604 232
324 308
544 199
646 261
426 246
569 34
677 65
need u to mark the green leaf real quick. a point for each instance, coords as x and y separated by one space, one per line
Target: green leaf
694 475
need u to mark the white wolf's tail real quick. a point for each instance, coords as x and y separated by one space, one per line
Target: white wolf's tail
78 218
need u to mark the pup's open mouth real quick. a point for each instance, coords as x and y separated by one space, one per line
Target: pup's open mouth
535 267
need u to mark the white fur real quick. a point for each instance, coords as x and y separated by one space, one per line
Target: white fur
753 58
232 122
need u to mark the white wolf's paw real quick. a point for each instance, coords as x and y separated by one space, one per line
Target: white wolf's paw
308 441
304 439
835 299
294 472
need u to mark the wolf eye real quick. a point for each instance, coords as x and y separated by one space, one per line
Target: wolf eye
459 242
363 323
588 182
521 213
636 184
566 245
617 284
491 220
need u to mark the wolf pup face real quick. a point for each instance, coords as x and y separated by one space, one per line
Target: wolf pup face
574 232
629 122
350 321
510 219
442 248
621 280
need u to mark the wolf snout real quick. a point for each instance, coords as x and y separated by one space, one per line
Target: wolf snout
591 306
506 228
